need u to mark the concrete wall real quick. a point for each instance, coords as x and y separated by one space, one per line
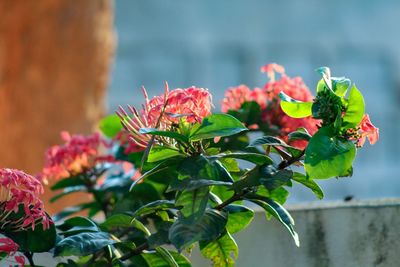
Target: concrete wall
217 44
351 234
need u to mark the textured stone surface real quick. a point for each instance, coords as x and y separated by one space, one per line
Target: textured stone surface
352 234
55 58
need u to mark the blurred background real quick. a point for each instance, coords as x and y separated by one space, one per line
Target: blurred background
64 64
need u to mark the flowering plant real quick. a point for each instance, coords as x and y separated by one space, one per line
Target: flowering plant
167 177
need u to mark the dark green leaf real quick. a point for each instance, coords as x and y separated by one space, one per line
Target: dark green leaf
222 251
295 108
153 207
154 259
77 225
193 184
217 125
308 182
300 134
255 158
328 155
67 191
111 125
239 217
273 179
68 182
268 140
208 227
71 210
83 244
166 255
117 220
193 203
249 113
28 240
278 211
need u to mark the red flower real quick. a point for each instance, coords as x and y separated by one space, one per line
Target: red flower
163 111
21 190
269 101
78 154
367 130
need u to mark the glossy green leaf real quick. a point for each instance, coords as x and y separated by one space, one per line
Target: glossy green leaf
208 227
239 217
249 113
278 211
295 108
28 239
154 206
170 134
158 153
300 134
217 125
268 140
116 221
193 203
166 255
355 109
255 158
155 259
111 125
83 244
77 225
279 194
273 179
192 184
328 155
223 251
308 182
68 182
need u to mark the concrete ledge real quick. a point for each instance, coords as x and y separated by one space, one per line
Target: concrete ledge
334 234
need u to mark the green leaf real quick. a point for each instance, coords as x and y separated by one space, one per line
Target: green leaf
111 125
355 109
268 140
279 195
223 251
249 113
68 182
158 153
300 134
155 259
117 220
193 203
193 184
255 158
83 244
326 77
170 134
278 211
153 207
328 155
67 191
208 227
272 179
217 125
166 255
28 240
71 210
295 108
308 182
77 225
239 217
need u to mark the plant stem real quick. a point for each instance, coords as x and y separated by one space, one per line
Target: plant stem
134 252
29 256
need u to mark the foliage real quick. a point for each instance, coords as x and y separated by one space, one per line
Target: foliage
174 174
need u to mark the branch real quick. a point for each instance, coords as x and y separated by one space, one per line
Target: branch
134 252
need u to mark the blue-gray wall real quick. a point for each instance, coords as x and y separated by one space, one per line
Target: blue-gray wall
217 44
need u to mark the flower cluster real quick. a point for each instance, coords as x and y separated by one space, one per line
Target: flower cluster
78 154
19 193
268 99
366 130
8 246
162 112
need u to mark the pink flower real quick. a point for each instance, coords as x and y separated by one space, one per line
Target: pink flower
367 130
163 111
20 190
78 154
8 246
268 98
